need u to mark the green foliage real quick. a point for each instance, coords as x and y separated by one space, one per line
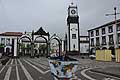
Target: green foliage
42 46
28 46
2 45
22 45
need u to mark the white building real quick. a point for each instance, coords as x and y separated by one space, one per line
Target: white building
106 36
29 43
8 43
84 45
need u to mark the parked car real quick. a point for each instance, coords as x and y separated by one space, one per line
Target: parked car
92 56
113 56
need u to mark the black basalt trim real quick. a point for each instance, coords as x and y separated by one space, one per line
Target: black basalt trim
72 19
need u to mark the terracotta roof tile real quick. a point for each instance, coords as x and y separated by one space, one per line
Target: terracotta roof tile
12 34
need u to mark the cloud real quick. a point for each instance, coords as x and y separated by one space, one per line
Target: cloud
28 15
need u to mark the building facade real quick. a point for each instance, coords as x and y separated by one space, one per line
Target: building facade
106 36
23 44
84 45
8 43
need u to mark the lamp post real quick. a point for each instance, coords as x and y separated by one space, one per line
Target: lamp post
115 20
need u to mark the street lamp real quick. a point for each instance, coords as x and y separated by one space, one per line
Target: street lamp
115 16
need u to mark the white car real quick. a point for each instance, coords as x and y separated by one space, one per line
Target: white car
113 56
92 56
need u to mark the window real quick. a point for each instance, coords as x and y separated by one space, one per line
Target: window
111 41
103 40
97 32
97 41
110 29
92 33
103 31
92 42
118 38
7 41
2 40
73 36
118 27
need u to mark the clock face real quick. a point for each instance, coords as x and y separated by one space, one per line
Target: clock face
73 11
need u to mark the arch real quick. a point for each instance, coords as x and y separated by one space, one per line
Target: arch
42 49
7 51
21 47
112 50
6 48
25 36
57 38
104 48
92 51
41 37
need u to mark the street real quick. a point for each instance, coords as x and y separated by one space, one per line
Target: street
38 69
25 69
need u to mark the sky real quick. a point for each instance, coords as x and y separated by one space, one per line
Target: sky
28 15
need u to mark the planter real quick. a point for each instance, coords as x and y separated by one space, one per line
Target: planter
63 68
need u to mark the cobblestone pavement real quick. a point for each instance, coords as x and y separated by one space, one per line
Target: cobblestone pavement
93 64
38 69
26 69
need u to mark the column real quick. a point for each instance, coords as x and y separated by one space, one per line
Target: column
15 47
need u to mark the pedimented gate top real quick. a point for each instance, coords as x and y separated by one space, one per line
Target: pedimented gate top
41 32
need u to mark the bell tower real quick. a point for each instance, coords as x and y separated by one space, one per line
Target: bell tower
73 41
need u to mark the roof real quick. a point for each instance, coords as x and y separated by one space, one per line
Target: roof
41 32
107 24
11 34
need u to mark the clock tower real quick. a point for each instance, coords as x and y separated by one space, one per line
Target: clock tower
73 42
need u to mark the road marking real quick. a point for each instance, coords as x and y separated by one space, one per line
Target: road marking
25 71
18 78
104 74
7 75
43 72
88 77
4 67
108 79
34 62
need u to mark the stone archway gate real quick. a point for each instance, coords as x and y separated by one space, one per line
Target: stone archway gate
59 40
33 39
